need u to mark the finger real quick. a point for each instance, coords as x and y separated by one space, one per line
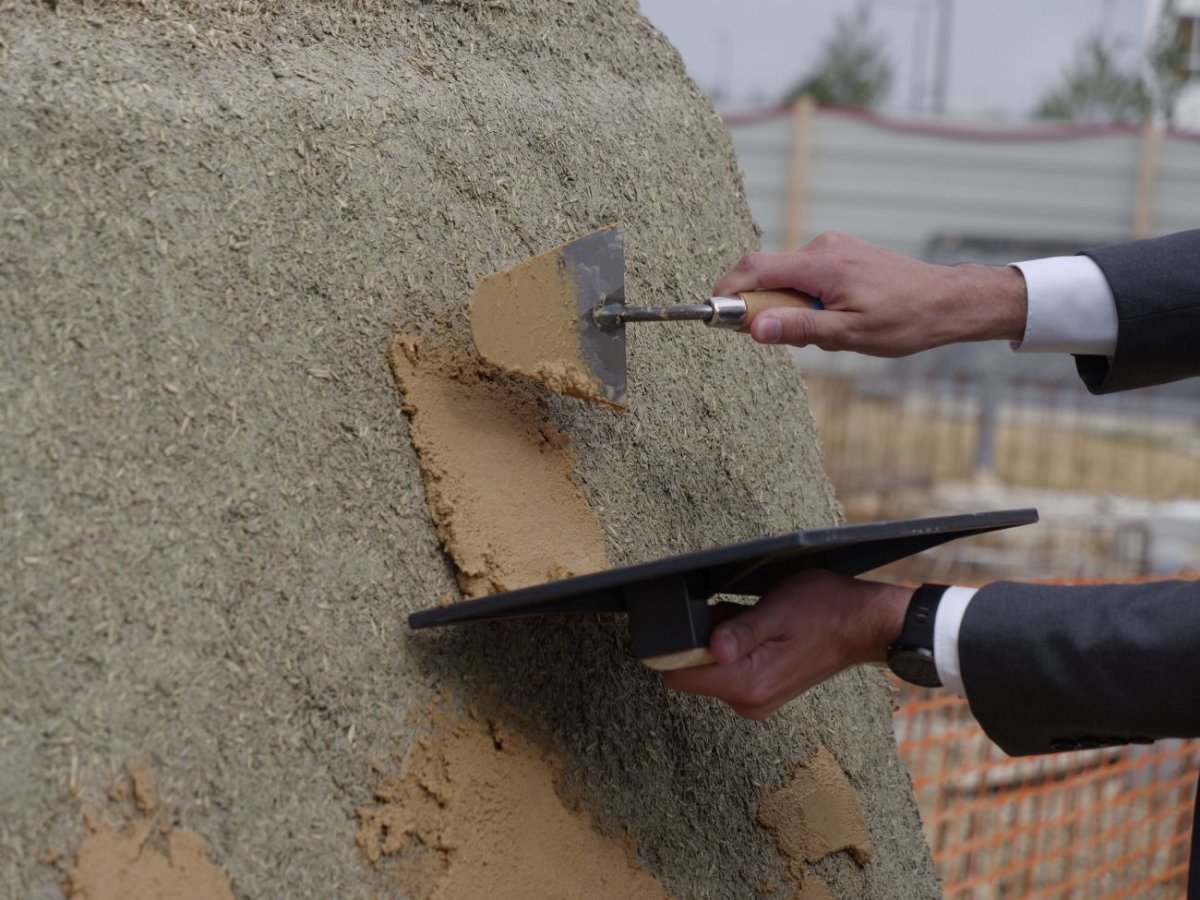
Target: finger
759 271
739 635
801 327
756 713
726 683
754 686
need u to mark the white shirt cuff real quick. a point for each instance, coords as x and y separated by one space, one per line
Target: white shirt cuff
945 636
1070 307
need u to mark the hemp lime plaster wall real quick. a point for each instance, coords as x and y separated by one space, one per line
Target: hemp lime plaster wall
213 219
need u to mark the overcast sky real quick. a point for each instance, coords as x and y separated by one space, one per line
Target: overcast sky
1004 52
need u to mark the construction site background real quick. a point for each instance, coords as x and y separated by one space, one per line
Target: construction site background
1116 479
1119 494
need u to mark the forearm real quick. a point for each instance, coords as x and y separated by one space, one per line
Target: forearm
879 302
1057 668
1156 288
985 303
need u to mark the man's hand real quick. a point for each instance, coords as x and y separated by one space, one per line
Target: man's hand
805 630
879 302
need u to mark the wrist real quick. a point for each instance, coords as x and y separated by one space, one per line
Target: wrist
913 655
878 618
991 302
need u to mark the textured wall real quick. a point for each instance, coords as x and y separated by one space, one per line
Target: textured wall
214 218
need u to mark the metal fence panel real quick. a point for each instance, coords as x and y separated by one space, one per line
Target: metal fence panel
904 184
1177 192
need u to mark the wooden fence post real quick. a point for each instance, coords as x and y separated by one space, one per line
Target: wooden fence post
803 110
1147 175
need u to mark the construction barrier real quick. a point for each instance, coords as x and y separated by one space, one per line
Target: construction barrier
1110 822
1117 488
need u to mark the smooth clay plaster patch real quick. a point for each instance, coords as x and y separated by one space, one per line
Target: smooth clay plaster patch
815 814
813 889
145 858
524 320
475 814
497 474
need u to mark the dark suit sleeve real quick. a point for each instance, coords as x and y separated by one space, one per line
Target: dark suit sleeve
1063 668
1156 284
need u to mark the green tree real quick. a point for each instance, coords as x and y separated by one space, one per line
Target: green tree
1097 89
1167 59
853 68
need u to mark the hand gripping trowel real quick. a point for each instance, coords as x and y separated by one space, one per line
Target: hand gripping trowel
560 317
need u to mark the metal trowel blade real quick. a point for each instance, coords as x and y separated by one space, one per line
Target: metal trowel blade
536 318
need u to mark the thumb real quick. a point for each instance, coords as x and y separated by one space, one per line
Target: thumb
739 636
800 327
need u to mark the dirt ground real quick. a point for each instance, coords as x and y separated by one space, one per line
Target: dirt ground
213 219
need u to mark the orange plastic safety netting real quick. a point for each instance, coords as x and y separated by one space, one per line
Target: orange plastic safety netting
1106 822
1109 822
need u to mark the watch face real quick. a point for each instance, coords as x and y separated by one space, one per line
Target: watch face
915 667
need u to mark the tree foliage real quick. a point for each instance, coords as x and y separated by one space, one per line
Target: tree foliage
1167 59
853 68
1097 89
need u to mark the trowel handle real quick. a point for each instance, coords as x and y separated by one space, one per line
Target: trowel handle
759 301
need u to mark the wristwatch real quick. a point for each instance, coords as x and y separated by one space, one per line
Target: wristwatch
911 656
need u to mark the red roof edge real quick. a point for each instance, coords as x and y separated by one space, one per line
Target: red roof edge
1063 131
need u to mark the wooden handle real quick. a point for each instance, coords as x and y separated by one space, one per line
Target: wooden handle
684 659
759 301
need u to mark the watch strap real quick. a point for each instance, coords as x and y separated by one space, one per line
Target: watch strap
916 635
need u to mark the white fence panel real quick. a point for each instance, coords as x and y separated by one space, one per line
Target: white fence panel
904 184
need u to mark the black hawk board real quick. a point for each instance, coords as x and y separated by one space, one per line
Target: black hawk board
667 599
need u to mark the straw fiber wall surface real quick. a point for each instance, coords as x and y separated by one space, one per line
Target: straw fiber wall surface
215 216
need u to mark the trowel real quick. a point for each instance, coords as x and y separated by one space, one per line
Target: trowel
666 600
560 316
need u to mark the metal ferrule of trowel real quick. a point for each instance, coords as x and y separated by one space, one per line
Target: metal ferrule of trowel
733 313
